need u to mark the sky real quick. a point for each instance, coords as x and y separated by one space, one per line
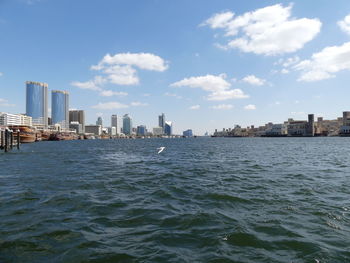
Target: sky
205 64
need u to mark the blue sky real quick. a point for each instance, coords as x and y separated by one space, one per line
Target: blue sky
205 64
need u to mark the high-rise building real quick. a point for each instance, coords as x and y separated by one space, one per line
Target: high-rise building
77 116
161 120
114 121
60 108
99 121
168 129
141 130
36 103
127 124
188 133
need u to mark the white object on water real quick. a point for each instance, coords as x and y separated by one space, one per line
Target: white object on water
160 149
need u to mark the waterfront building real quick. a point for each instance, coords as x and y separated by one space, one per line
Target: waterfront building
277 130
161 121
188 133
112 131
345 128
158 131
77 116
127 125
114 121
168 128
36 103
302 128
328 127
94 129
141 130
99 121
8 119
76 126
60 108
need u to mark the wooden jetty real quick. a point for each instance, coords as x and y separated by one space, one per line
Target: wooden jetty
9 139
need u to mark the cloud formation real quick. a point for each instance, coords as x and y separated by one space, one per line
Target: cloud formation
217 86
195 107
253 80
110 93
250 107
268 31
345 24
117 105
5 103
324 64
222 107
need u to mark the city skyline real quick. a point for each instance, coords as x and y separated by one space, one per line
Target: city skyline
204 72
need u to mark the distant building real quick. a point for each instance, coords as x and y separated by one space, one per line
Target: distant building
112 131
168 128
36 103
158 131
302 128
161 121
8 119
141 130
60 108
277 130
345 128
127 125
94 129
77 116
99 121
114 121
74 125
188 133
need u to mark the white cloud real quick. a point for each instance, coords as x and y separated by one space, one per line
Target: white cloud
250 107
110 93
217 86
284 71
138 104
110 106
168 94
195 107
269 31
94 84
222 107
253 80
146 95
120 69
345 24
5 103
324 64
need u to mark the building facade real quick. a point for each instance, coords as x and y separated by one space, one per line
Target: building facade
127 125
188 133
60 108
77 116
94 129
141 130
114 121
302 128
158 131
36 103
8 119
161 121
99 121
168 128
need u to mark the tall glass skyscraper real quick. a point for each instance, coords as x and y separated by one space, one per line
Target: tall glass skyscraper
168 129
161 121
114 121
36 102
60 108
127 125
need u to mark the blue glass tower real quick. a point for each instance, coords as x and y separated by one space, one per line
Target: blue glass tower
141 130
168 128
60 108
127 125
36 102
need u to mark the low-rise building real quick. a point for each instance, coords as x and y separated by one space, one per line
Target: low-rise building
277 130
158 131
8 119
94 129
302 128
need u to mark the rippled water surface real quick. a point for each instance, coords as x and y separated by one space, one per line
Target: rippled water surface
201 200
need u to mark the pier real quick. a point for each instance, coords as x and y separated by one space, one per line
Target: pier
9 139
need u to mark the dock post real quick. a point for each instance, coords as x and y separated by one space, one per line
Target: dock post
18 139
6 140
2 140
11 140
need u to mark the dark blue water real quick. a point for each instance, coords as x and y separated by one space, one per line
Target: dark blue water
201 200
